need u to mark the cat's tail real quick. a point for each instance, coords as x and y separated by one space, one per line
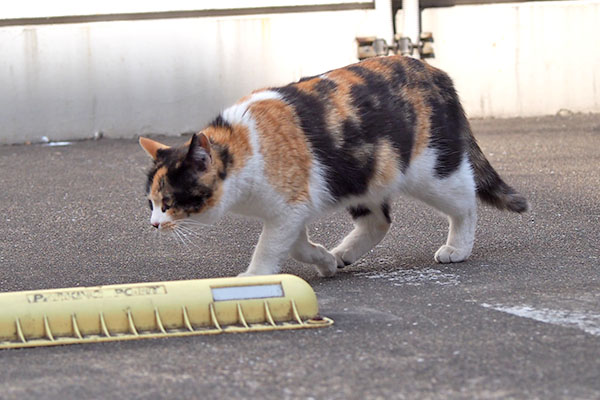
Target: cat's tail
491 188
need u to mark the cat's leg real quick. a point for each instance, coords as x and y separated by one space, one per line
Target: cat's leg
308 252
460 205
461 237
455 197
371 223
273 246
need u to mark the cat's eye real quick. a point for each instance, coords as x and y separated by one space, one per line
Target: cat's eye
150 204
166 205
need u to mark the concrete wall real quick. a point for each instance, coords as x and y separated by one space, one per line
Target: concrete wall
171 76
158 76
521 59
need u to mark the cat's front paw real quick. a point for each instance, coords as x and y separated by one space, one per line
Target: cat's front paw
342 257
450 254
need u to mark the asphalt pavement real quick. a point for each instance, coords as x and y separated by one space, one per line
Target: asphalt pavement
520 319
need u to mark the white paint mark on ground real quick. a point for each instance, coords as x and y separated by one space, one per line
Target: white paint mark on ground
586 321
413 277
54 144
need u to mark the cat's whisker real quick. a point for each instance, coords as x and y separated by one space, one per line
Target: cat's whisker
189 231
180 229
181 238
189 241
186 237
193 221
190 227
182 235
174 236
189 234
190 222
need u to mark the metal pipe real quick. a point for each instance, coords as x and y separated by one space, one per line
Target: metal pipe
385 20
412 22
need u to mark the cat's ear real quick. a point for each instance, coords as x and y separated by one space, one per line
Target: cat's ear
152 147
199 152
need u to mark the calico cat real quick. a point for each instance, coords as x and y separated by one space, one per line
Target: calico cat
354 137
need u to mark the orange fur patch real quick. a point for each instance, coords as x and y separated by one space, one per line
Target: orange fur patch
416 97
308 86
341 101
279 128
412 94
175 214
346 76
237 141
157 182
386 164
423 115
379 65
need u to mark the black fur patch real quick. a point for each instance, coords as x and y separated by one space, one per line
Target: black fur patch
188 193
325 86
344 174
447 124
358 211
227 159
191 199
385 209
219 121
381 114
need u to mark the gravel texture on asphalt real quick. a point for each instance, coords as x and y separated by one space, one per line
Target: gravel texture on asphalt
516 320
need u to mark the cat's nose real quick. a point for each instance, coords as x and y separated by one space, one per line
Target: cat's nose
156 224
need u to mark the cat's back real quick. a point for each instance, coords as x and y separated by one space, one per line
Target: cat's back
362 118
359 124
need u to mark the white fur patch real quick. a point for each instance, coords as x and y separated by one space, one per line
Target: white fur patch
253 178
236 113
158 216
320 196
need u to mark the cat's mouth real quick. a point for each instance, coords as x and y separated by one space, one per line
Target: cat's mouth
183 230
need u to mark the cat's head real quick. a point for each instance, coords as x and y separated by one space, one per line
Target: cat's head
183 181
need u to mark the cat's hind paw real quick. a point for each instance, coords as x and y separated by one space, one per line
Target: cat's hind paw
450 254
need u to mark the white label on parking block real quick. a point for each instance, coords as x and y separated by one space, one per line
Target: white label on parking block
247 292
